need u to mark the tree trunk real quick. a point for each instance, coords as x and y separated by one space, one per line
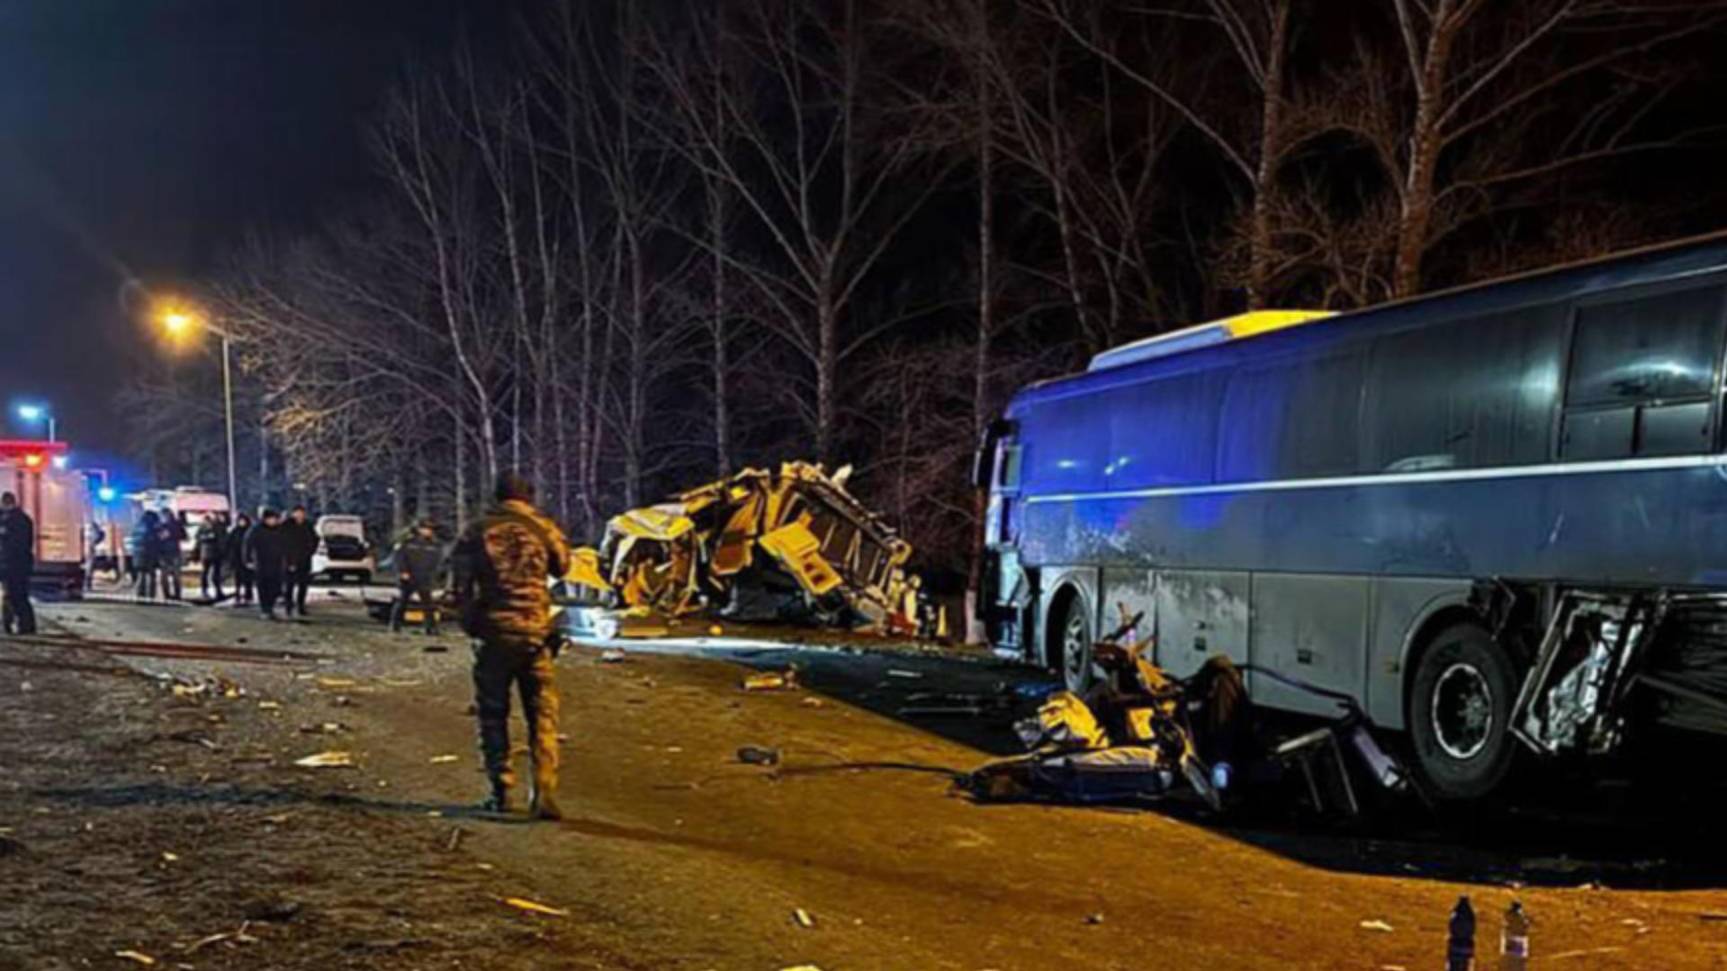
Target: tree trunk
1270 153
1415 216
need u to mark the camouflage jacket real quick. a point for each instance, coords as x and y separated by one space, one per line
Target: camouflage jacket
501 565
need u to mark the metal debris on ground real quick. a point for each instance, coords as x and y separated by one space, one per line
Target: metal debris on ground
791 544
327 760
443 759
1376 925
534 907
1141 735
758 755
802 918
771 680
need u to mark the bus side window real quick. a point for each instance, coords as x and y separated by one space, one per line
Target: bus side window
1465 393
1643 377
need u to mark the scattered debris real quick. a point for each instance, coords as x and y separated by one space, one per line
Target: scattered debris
323 728
1094 919
1376 925
272 909
791 544
269 706
443 759
771 680
136 957
534 907
758 755
612 655
168 857
455 839
902 673
327 760
335 683
802 918
813 702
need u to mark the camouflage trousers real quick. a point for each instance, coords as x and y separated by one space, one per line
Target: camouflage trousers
499 667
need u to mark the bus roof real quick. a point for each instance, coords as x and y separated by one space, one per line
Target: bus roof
1203 335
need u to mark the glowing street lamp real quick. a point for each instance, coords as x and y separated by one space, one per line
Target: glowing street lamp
36 413
179 321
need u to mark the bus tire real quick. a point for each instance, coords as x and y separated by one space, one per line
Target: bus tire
1071 638
1460 713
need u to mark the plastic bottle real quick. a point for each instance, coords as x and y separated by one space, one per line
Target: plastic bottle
1514 941
1460 950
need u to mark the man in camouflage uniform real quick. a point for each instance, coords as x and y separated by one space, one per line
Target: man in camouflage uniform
502 563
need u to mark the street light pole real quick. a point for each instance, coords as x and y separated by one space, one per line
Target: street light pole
228 413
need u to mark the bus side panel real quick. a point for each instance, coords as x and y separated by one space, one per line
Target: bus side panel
1201 613
1312 628
1401 607
1653 526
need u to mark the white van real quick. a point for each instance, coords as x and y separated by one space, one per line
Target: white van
342 550
189 505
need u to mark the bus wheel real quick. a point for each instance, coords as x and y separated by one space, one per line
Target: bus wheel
1074 641
1460 713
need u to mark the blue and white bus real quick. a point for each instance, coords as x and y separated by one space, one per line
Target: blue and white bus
1395 503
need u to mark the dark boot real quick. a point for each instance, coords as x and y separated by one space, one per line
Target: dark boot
499 800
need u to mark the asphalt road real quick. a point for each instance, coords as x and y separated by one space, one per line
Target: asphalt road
676 856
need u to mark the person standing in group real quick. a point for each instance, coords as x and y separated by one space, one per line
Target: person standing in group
234 554
17 563
212 540
419 564
144 548
302 545
95 535
267 554
171 554
501 567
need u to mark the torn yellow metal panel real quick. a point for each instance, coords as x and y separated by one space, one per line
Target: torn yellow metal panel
662 523
799 552
585 570
735 548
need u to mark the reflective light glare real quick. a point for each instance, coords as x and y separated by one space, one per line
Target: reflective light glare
106 493
60 461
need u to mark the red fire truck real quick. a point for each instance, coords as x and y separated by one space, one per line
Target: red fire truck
58 499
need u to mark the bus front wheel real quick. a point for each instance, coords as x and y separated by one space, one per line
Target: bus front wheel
1460 713
1072 638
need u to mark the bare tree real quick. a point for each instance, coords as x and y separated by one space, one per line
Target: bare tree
827 184
1478 72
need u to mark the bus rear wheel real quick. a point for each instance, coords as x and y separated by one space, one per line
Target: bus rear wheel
1073 639
1460 713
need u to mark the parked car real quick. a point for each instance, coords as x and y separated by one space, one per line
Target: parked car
343 552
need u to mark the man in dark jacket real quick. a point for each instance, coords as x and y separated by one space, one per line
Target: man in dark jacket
170 554
234 554
502 564
302 540
419 565
212 549
267 554
17 563
145 546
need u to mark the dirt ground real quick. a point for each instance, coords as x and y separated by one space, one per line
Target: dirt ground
173 825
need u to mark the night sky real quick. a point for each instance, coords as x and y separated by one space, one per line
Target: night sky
144 137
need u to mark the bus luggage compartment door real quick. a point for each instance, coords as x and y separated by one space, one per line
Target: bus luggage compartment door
1311 628
1200 613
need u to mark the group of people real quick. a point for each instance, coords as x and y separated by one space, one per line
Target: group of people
269 560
